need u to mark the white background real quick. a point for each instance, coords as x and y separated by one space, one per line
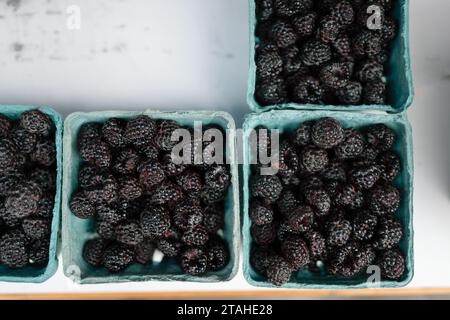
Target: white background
178 54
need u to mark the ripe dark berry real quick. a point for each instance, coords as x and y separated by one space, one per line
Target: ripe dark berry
113 132
374 93
316 53
317 245
369 71
94 250
342 45
38 252
282 34
327 133
117 257
24 140
380 136
352 145
267 188
287 202
343 13
170 244
194 261
338 232
384 199
217 254
5 126
151 174
37 122
367 44
271 92
295 252
328 29
259 259
314 160
350 93
140 130
306 90
364 225
319 200
301 219
126 162
304 25
269 62
143 252
392 264
302 135
388 235
365 177
264 9
279 271
36 228
13 251
288 8
390 166
264 234
163 138
191 182
336 75
195 236
129 232
261 214
166 193
154 222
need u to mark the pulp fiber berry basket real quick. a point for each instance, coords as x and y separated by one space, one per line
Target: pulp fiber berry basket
398 71
76 231
287 121
31 274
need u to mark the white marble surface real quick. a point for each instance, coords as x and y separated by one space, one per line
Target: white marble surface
178 54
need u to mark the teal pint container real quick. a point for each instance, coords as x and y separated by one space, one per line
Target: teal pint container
31 274
398 71
287 121
76 231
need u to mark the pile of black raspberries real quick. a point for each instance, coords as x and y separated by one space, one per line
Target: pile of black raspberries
323 51
142 201
27 188
331 208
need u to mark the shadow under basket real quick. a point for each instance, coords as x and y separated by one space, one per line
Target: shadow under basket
398 71
287 121
75 231
31 274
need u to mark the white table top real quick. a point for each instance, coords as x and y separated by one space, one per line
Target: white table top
177 54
